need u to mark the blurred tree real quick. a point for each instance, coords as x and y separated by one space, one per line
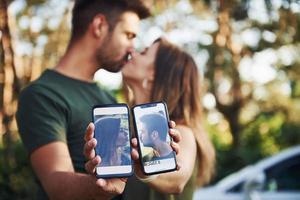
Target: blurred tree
9 89
17 70
269 101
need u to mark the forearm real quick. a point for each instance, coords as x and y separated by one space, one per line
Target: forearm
70 185
53 166
175 182
172 183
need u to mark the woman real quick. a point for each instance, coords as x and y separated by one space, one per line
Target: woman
165 72
112 141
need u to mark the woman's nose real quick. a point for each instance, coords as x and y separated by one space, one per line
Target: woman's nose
133 54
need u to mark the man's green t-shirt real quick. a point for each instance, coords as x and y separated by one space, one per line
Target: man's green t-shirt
58 108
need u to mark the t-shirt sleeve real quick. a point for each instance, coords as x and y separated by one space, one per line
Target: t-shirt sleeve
41 120
111 97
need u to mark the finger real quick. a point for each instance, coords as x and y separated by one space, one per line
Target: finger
112 186
88 149
134 151
134 142
124 180
175 147
134 154
175 134
91 165
172 124
89 133
178 167
101 183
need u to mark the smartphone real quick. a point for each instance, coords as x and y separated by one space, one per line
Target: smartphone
113 140
151 123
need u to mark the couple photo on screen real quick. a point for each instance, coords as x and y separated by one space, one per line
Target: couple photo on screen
155 145
113 138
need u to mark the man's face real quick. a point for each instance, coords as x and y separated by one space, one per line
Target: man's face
145 137
112 54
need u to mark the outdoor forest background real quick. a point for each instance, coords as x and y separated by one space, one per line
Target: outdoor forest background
248 53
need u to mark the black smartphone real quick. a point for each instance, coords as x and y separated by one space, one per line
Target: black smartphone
113 140
151 123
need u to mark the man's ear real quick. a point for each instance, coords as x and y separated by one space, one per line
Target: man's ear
154 135
99 25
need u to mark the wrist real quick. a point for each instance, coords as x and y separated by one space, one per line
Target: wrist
147 179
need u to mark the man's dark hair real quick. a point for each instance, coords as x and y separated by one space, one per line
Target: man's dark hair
85 10
155 122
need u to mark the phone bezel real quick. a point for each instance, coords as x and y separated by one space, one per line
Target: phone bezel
152 104
115 175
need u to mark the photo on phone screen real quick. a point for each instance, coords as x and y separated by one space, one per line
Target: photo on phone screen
113 140
151 124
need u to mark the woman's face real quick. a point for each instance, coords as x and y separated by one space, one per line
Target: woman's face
122 139
141 66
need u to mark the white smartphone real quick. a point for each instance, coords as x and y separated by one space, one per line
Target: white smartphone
151 122
112 133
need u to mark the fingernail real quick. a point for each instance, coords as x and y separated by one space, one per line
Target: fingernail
88 126
101 182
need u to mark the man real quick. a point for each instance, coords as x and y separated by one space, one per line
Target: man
154 135
54 110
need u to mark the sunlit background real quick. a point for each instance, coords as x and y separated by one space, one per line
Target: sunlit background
247 52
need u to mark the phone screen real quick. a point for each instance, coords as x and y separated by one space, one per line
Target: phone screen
151 123
113 140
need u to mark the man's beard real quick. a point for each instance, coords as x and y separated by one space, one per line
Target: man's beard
105 57
108 64
148 144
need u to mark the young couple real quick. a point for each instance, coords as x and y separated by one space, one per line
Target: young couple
54 110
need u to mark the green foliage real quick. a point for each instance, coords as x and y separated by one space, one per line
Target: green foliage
268 134
259 137
289 135
295 85
16 178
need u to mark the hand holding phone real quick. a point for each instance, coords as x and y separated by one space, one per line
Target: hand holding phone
112 135
151 126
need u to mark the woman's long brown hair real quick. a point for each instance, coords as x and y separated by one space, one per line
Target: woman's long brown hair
177 82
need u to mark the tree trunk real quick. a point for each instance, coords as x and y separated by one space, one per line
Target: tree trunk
9 89
223 43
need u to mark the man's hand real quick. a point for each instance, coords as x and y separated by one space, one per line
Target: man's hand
114 185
